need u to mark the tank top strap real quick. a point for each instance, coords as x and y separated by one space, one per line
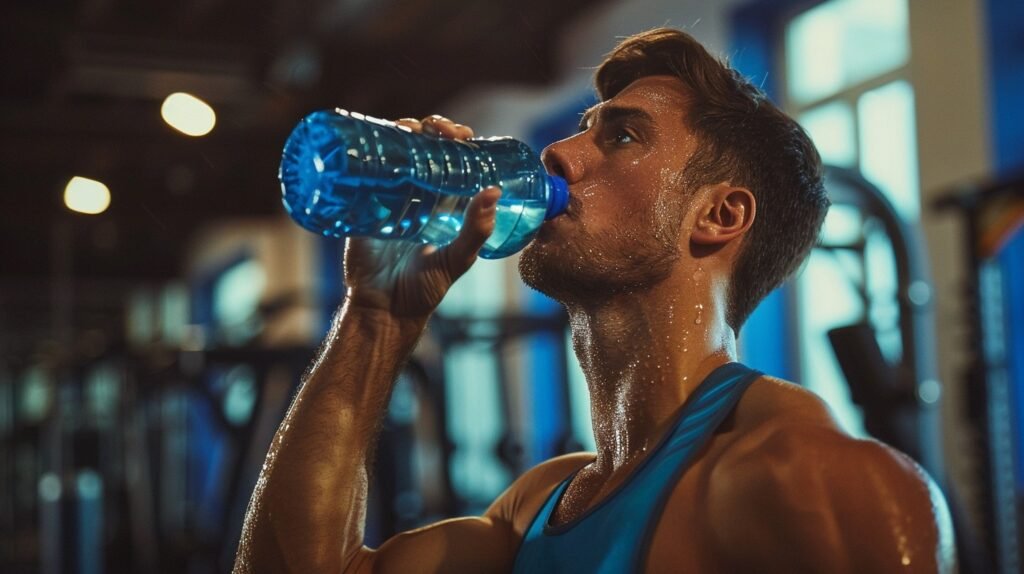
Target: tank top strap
705 410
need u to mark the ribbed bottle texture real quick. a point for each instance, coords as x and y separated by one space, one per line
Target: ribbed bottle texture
344 174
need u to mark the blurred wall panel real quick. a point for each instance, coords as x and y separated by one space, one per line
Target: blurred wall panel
285 253
948 62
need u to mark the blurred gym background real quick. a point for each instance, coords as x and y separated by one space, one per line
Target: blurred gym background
148 351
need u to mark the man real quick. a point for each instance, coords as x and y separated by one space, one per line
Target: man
691 197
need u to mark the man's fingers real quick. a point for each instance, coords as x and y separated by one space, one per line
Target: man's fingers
476 228
438 126
444 127
412 123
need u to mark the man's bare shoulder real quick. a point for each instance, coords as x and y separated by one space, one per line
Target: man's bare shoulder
771 402
815 498
769 410
524 497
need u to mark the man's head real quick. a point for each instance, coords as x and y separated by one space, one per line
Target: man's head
731 150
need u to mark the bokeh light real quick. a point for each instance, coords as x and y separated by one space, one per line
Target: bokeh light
188 114
86 195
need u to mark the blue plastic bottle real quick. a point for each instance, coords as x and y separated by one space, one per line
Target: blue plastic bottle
345 174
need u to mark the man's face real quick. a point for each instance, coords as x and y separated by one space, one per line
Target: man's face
629 192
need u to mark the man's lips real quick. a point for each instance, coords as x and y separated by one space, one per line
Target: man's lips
549 227
573 209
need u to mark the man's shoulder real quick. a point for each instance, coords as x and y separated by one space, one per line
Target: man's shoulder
523 498
771 402
791 442
798 480
548 474
784 456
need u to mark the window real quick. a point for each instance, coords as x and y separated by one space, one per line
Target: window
236 300
473 382
841 44
475 423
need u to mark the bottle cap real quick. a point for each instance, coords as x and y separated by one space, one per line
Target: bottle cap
558 197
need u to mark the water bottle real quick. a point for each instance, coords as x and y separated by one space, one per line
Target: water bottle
345 174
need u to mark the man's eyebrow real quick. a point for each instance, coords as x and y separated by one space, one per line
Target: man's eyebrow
608 113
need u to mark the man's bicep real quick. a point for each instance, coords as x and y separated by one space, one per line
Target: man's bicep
477 544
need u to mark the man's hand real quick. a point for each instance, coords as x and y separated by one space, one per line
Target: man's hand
409 280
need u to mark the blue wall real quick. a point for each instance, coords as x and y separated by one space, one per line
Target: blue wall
1005 35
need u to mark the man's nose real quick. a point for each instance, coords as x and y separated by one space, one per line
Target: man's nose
559 161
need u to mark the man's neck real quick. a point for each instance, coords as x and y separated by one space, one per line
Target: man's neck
643 355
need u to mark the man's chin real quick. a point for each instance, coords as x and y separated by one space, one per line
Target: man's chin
560 271
539 267
532 262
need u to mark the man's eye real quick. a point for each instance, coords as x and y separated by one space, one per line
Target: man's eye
623 137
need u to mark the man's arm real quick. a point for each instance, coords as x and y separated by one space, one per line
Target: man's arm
309 505
810 499
308 509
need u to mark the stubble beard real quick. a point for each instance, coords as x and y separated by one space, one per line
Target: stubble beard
589 269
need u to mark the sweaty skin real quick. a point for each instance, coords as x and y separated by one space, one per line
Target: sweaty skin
641 261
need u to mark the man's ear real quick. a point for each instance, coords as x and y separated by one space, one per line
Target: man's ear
727 213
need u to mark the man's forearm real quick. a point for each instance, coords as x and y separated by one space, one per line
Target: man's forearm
308 509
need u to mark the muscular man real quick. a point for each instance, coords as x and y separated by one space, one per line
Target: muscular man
692 197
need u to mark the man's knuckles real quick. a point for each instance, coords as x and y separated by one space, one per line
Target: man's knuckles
437 125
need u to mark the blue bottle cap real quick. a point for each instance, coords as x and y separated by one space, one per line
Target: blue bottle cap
558 197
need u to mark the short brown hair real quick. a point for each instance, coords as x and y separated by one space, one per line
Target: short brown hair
745 140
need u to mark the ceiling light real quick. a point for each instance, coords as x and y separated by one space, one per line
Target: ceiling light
86 195
188 114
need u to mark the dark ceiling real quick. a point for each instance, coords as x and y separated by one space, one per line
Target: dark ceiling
83 81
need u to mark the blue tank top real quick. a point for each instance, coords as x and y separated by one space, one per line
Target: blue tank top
613 536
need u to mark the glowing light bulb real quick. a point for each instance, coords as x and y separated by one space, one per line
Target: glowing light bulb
188 114
86 195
